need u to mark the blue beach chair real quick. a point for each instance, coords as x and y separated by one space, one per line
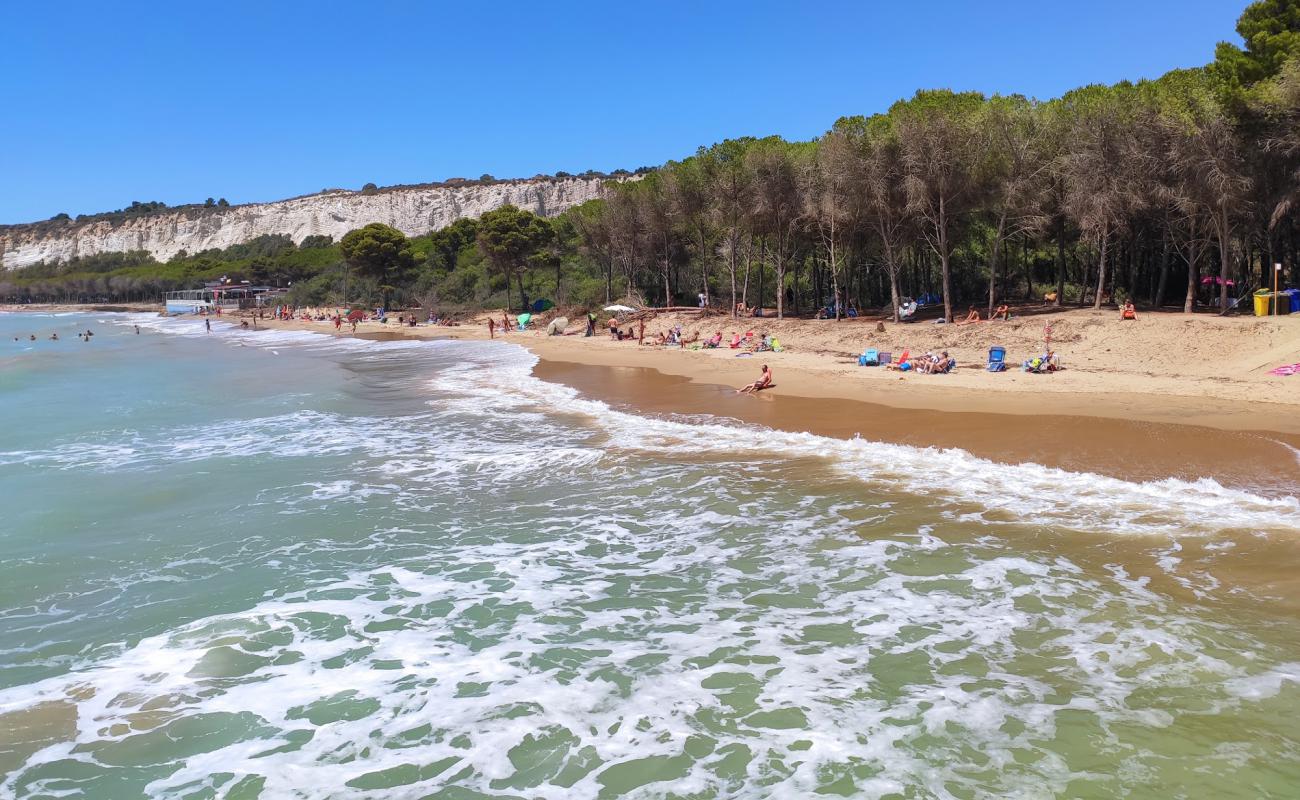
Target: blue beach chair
997 359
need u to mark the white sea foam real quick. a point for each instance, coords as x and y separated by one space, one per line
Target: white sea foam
819 674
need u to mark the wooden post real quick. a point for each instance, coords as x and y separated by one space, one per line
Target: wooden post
1277 270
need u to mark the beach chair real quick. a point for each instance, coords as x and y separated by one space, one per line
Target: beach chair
997 359
869 358
906 311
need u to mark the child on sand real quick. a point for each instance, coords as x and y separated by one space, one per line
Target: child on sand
1128 311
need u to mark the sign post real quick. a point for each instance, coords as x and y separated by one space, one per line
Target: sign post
1277 271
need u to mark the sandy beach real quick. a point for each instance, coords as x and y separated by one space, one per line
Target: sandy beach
1166 396
1201 370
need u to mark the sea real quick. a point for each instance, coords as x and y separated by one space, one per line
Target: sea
269 564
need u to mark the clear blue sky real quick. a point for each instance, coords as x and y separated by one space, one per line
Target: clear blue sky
105 103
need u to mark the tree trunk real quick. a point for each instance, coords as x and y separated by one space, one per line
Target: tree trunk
1164 270
1101 270
1225 233
1060 262
1029 270
1193 257
994 251
894 297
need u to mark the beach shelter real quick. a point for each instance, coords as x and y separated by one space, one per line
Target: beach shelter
619 309
524 319
542 305
557 326
356 315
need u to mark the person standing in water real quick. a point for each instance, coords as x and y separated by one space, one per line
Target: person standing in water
207 323
492 328
137 330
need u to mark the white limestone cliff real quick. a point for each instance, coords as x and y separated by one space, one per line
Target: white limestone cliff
412 210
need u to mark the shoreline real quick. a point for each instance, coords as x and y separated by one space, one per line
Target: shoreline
1073 420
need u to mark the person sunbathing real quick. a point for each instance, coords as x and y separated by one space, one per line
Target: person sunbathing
971 316
764 381
1050 297
1003 311
714 340
1128 311
692 339
735 340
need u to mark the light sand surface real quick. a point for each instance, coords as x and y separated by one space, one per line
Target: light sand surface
1201 370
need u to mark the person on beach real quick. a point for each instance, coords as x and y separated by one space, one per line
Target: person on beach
713 341
1128 311
505 321
591 324
207 323
492 328
613 329
54 337
971 316
244 324
640 334
338 322
137 330
763 382
1003 311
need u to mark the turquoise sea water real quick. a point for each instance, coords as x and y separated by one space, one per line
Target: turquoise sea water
278 565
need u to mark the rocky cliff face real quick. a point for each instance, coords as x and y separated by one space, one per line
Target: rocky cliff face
413 210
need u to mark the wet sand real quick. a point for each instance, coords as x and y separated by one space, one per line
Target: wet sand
1260 461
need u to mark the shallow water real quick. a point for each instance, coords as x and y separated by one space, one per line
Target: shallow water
286 565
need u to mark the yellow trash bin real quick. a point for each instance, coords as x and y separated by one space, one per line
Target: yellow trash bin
1262 302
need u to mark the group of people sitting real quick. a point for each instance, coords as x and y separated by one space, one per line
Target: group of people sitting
973 315
930 363
762 343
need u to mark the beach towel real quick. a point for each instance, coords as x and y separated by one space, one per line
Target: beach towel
1290 369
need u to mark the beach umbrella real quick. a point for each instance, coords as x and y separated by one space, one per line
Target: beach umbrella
356 315
618 309
557 326
523 319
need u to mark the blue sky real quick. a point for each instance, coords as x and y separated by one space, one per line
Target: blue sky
105 103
